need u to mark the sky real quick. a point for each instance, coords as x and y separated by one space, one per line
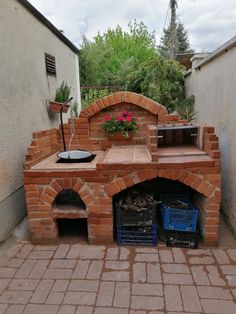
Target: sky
209 23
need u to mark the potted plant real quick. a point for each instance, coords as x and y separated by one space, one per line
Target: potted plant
62 95
121 127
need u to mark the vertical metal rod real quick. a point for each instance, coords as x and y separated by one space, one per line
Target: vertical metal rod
62 129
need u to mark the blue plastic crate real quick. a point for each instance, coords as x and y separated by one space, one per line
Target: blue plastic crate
179 219
136 235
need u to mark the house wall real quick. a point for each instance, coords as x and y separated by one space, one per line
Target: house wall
214 88
24 89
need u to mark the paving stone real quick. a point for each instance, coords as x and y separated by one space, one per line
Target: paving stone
124 254
166 256
147 303
25 269
214 293
138 312
83 285
41 254
228 269
79 298
92 252
154 273
3 308
231 280
39 269
68 309
14 309
54 273
139 272
199 252
173 298
150 250
200 276
112 254
23 284
117 265
25 251
84 310
122 294
177 279
116 276
4 282
41 309
105 294
55 297
178 255
15 297
74 251
218 306
45 247
81 270
206 260
190 299
95 270
234 292
7 272
106 310
214 276
176 268
13 250
4 261
147 289
42 291
62 251
145 257
232 254
60 263
221 256
15 262
60 285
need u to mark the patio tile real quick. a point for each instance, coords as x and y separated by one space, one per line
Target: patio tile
41 309
105 294
14 309
173 298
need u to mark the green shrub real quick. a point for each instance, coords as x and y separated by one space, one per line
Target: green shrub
63 92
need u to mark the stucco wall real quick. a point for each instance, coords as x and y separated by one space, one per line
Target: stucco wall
25 87
214 88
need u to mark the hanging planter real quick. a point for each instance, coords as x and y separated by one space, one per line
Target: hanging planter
55 106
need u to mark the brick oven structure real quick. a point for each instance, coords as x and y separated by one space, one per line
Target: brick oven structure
119 165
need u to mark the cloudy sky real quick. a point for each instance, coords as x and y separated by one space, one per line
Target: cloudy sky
209 22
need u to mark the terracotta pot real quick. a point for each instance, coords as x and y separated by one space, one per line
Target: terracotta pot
118 136
55 106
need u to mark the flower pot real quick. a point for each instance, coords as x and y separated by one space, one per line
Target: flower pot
118 136
55 106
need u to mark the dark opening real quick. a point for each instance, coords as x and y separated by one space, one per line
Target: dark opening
50 63
137 198
177 136
73 230
68 199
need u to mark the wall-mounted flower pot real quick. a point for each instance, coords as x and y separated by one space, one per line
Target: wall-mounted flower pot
118 136
55 106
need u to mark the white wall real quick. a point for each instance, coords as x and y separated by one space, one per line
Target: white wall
214 87
24 89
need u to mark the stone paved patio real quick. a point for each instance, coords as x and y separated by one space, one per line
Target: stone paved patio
81 278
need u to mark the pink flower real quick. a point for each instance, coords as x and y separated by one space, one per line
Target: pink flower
125 113
107 117
120 118
128 118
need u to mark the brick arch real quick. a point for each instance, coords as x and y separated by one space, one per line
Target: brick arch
57 185
187 177
124 97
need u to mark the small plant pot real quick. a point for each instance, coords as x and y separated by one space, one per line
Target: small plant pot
118 136
55 106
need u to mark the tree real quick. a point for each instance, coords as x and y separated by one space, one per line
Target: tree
175 35
132 61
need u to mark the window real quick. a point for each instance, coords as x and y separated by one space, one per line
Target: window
50 62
